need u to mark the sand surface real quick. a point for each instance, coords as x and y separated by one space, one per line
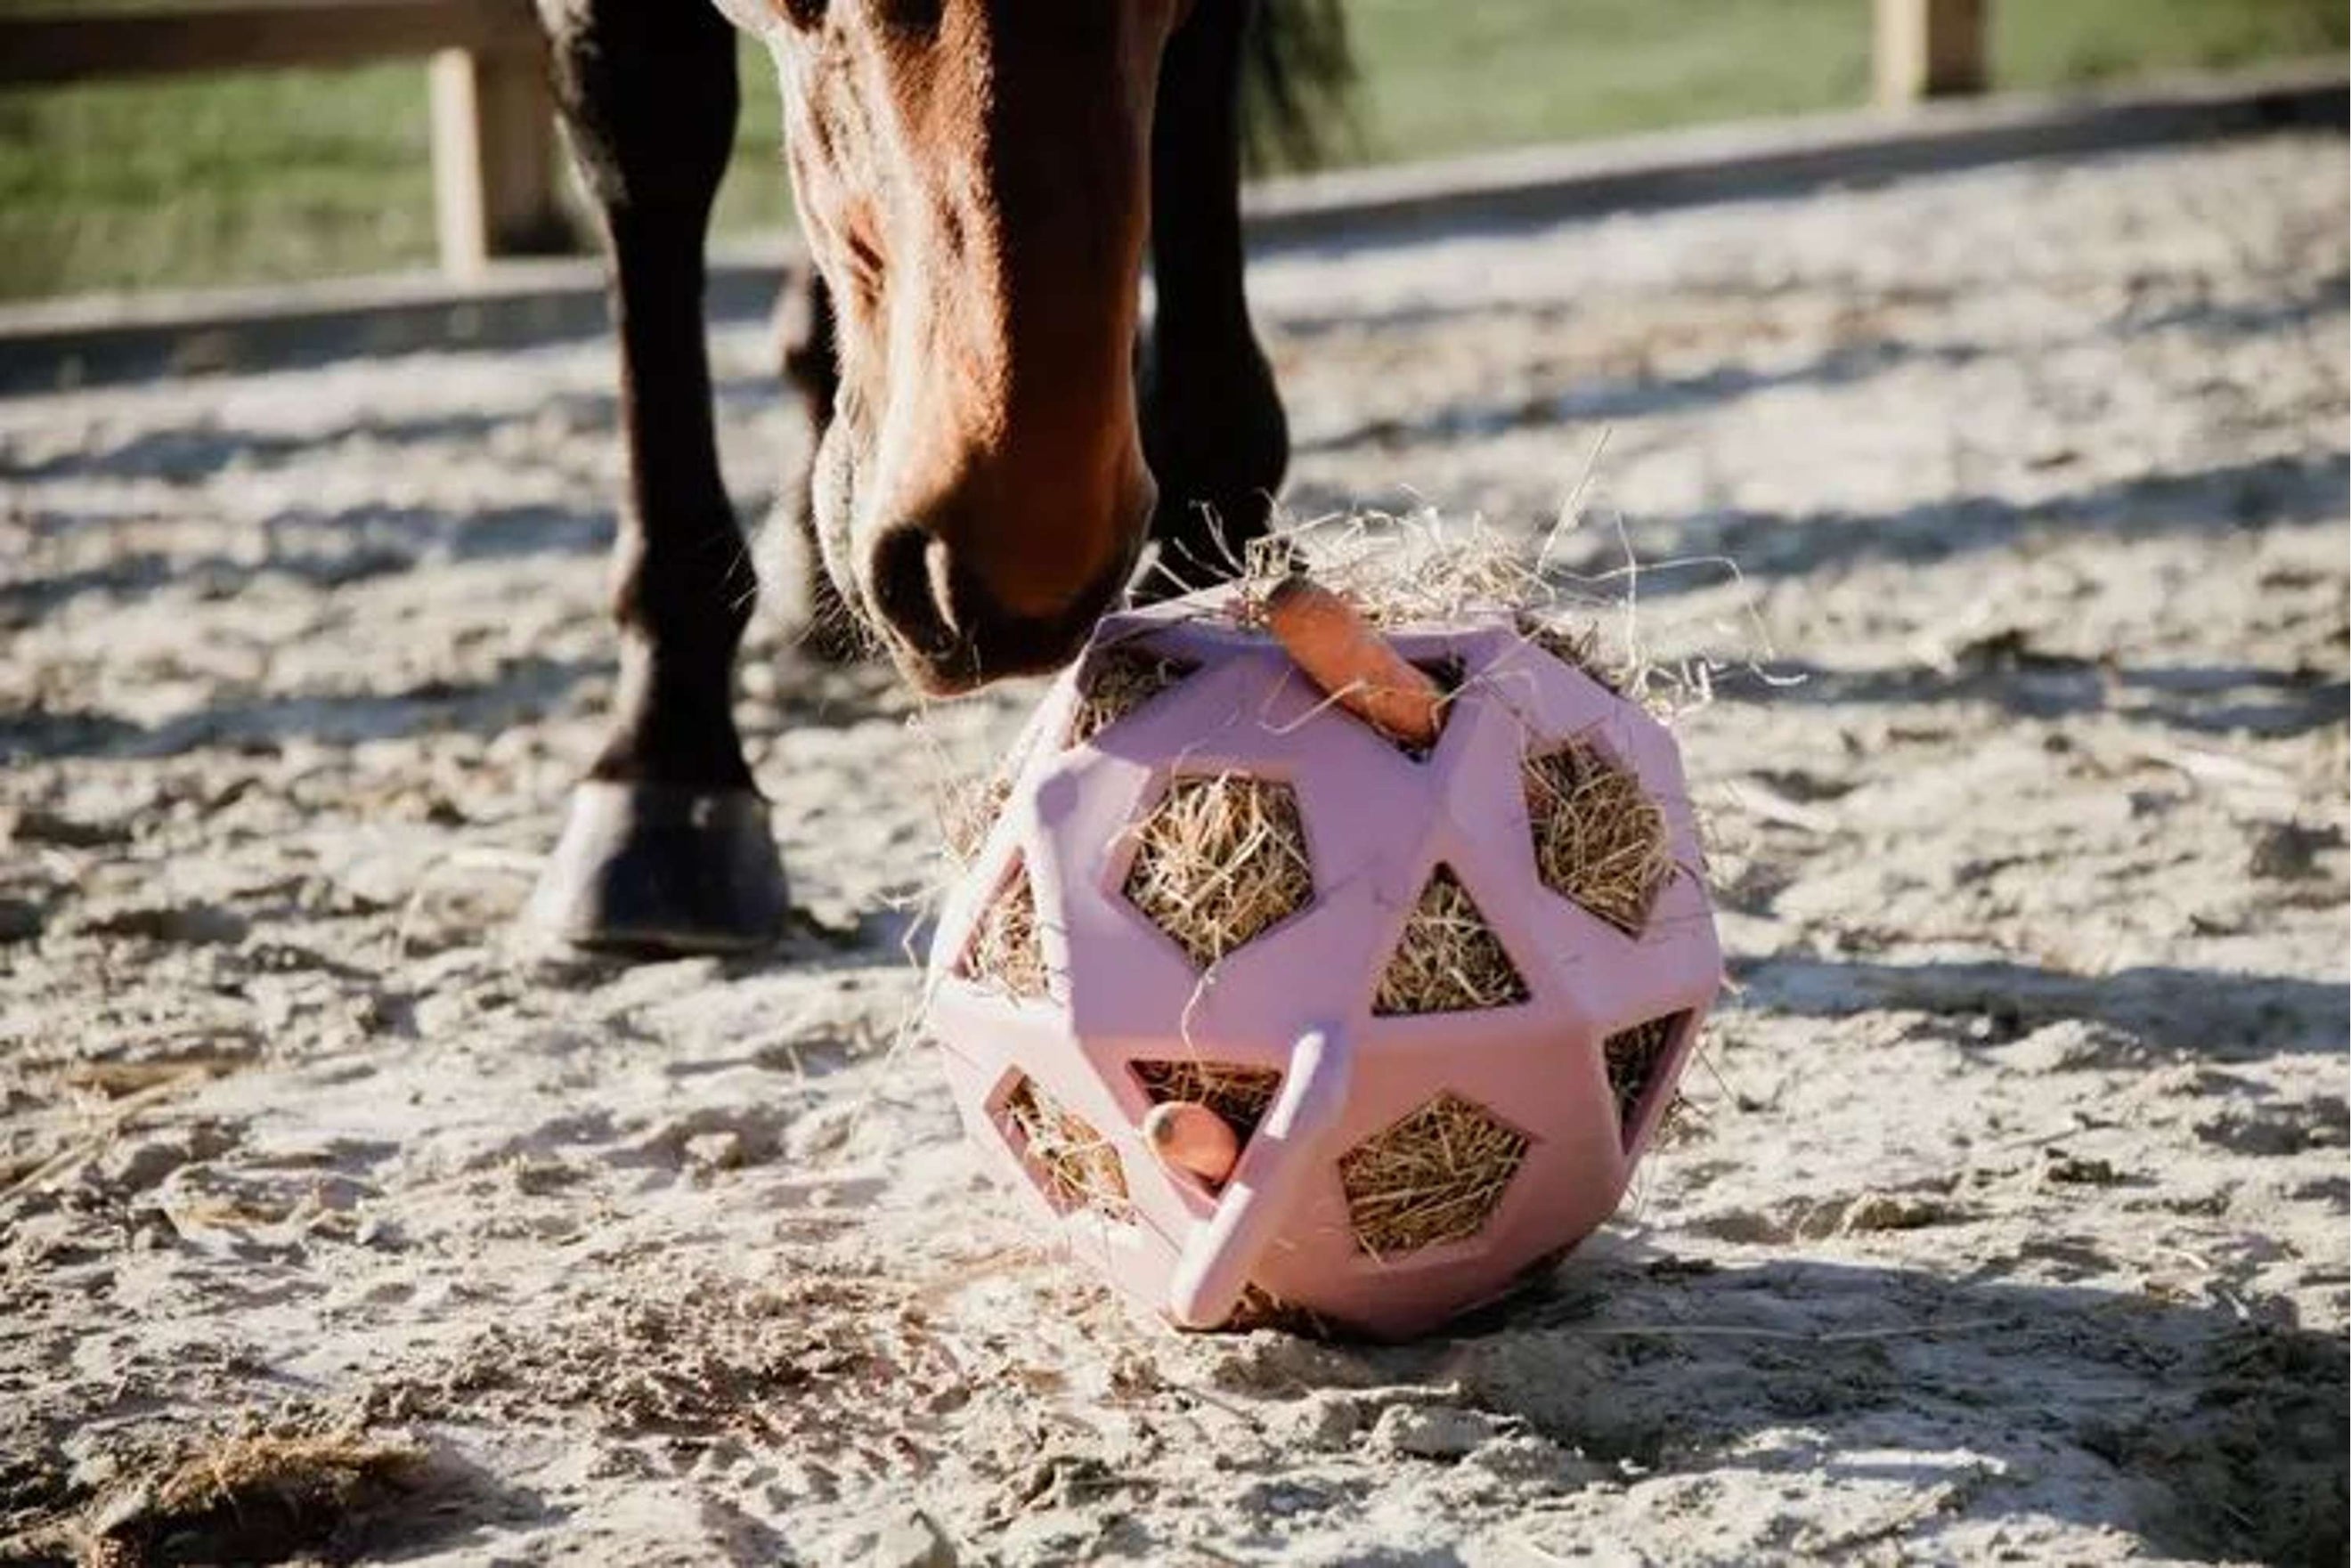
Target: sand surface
2008 1221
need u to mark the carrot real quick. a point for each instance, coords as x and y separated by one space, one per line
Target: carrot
1339 652
1192 1137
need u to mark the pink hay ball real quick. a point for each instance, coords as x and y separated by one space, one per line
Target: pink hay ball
1440 997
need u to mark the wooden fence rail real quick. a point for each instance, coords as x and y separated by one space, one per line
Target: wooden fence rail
497 190
495 160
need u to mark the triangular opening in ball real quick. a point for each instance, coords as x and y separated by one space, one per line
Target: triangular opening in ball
1005 953
1446 959
1117 681
1635 1058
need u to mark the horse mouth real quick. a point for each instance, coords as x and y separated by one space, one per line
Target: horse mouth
1006 648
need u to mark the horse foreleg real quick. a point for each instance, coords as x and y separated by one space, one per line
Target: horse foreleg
667 845
1213 429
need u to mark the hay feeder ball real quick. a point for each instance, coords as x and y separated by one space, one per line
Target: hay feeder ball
1355 992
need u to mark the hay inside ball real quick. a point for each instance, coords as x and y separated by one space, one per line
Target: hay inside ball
1219 861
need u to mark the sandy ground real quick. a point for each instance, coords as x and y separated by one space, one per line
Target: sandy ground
2009 1222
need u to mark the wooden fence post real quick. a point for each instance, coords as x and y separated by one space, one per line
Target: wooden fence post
1932 49
495 158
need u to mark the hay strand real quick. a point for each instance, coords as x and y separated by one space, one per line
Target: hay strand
1219 861
1005 951
1446 959
1119 681
1580 648
1598 839
968 807
1437 1175
1072 1160
1633 1057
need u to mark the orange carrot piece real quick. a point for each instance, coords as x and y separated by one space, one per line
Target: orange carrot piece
1329 640
1192 1137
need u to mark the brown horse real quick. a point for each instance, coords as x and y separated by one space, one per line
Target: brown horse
978 181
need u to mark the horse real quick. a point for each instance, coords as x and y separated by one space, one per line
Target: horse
994 438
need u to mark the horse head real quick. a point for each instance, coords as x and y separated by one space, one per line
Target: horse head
973 180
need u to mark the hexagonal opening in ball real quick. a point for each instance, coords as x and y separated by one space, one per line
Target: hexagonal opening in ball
1219 861
1599 839
1437 1175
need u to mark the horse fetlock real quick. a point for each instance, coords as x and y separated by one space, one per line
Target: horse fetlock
673 719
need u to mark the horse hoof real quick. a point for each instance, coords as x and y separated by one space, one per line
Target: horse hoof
662 868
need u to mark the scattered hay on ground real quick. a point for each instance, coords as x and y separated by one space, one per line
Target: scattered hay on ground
1119 681
1005 951
1448 959
1076 1163
1260 1309
1437 1175
261 1497
1218 861
1598 839
1241 1095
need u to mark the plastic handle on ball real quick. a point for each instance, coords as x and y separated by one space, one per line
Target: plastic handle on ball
1275 1170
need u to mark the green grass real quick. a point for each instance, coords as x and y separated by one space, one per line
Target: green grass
301 175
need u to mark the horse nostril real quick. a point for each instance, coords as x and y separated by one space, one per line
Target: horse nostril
954 627
910 588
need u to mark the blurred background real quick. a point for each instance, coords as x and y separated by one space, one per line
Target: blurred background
171 181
